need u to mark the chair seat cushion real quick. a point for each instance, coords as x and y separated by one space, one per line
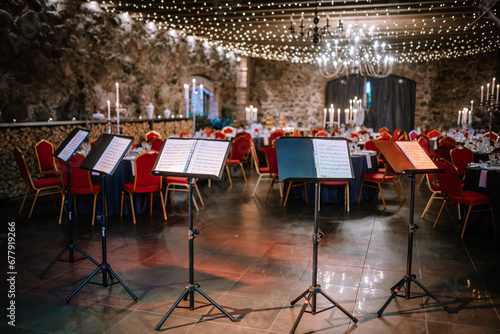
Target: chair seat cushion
333 183
471 198
86 190
232 162
376 177
47 182
176 179
141 189
52 174
264 170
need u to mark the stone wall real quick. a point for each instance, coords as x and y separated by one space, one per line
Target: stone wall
61 60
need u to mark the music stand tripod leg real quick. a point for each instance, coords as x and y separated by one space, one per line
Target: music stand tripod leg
315 288
409 277
192 287
70 245
104 266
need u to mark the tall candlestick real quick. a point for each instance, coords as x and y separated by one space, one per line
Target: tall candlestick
338 114
498 88
324 119
331 118
346 115
186 98
458 121
194 86
109 111
482 89
470 117
355 115
487 92
493 86
117 108
471 105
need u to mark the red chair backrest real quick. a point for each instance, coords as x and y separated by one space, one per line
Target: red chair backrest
444 151
385 136
44 151
424 143
321 134
396 134
433 133
297 134
23 166
413 135
183 135
272 159
80 178
461 157
208 131
449 179
276 134
254 155
244 134
447 139
241 148
219 135
150 135
156 144
143 165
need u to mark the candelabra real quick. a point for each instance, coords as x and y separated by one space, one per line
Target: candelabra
490 106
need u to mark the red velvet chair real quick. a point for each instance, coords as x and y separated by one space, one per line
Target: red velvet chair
144 182
263 172
443 151
433 133
46 161
239 151
276 134
150 135
219 135
370 146
375 180
156 144
321 134
413 135
43 187
447 139
453 192
272 160
461 157
297 134
345 184
435 189
396 134
175 183
81 182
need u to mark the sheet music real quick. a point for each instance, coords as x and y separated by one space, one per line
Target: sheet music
331 158
112 155
72 146
208 157
175 155
416 155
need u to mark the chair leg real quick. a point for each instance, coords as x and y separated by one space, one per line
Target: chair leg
287 193
132 205
121 205
439 214
382 195
199 195
256 185
163 205
421 179
428 204
466 220
24 199
34 201
360 190
493 220
397 192
62 208
269 189
209 183
229 175
93 211
347 198
151 203
195 204
243 172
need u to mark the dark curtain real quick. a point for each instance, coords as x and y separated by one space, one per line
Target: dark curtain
340 91
393 100
393 103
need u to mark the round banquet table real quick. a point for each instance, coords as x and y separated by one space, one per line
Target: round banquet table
335 194
472 182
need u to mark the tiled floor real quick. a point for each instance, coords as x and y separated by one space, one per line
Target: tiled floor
253 258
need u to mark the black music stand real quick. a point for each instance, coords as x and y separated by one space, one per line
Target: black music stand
315 160
408 158
64 152
192 158
103 158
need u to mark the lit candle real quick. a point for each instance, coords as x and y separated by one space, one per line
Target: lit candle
346 115
247 109
350 113
498 88
331 118
458 121
117 108
254 115
194 86
482 89
117 94
470 118
186 92
471 105
324 119
338 114
355 116
493 86
109 111
487 92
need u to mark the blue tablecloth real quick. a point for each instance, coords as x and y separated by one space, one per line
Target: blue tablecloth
335 194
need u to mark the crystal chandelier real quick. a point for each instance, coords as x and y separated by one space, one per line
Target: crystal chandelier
350 51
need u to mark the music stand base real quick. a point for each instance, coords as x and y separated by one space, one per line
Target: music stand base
408 279
71 248
191 289
311 294
106 270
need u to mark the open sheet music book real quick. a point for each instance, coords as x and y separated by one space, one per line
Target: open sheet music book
107 153
203 158
314 158
69 146
406 156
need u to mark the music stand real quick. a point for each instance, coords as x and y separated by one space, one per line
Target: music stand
103 158
192 158
408 158
314 160
64 152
